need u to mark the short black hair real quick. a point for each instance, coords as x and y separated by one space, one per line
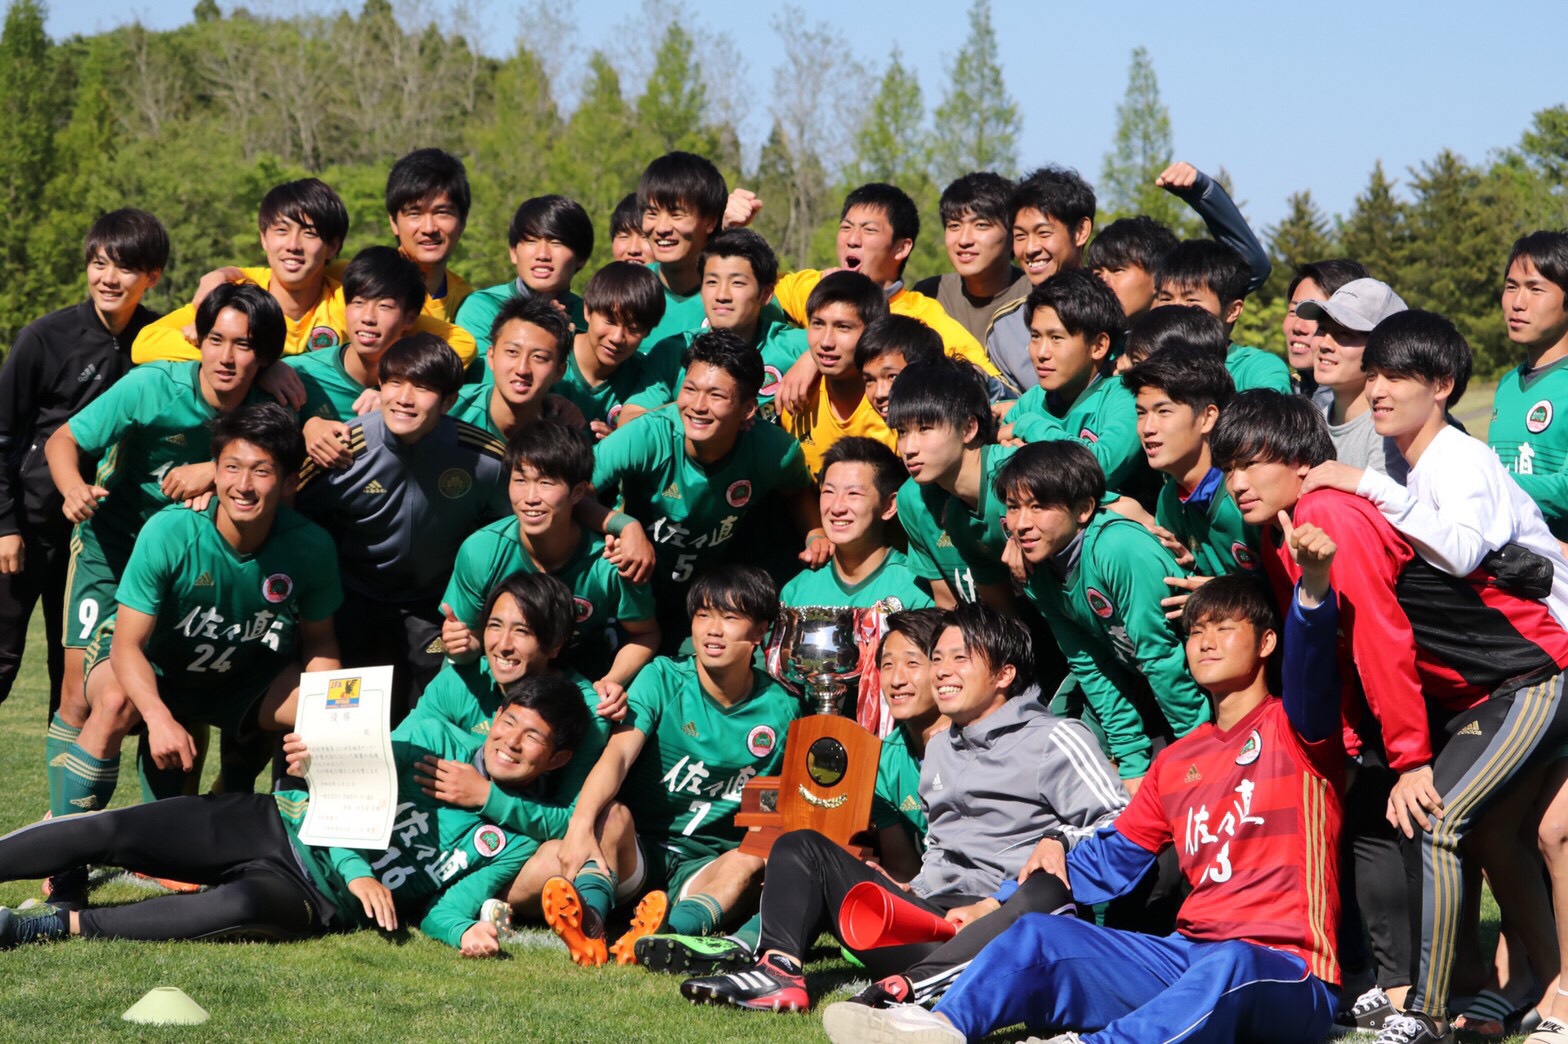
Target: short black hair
1186 374
553 450
1261 424
261 310
981 194
309 202
267 426
129 237
1061 473
998 638
557 701
733 587
545 602
851 288
683 179
725 350
1130 242
884 463
1169 325
1547 251
380 272
1085 305
903 217
1421 345
1056 192
553 217
536 311
425 360
920 626
626 217
743 242
1329 275
626 293
904 334
424 174
943 390
1236 596
1204 263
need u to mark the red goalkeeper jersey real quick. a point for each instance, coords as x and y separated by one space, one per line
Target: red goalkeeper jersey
1254 813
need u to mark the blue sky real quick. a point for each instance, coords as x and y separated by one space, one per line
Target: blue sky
1286 96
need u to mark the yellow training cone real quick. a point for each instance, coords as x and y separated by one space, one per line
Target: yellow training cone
166 1006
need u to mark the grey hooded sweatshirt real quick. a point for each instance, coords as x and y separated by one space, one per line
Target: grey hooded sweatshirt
994 789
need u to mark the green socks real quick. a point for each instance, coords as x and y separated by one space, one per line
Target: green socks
695 915
57 741
748 934
86 783
596 888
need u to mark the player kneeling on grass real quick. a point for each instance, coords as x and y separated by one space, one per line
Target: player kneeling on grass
264 883
1252 802
1008 789
696 732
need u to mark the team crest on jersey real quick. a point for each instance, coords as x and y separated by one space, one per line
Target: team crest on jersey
277 587
761 741
322 337
890 604
615 412
1539 418
489 841
454 482
584 608
1251 749
1244 556
1099 603
739 493
770 381
1088 436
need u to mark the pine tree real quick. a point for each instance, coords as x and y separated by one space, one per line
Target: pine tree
603 148
1376 233
978 123
1302 236
1141 149
672 107
26 148
892 135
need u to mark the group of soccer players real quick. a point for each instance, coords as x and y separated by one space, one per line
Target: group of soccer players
1210 684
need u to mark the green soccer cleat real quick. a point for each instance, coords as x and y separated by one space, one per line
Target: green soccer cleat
694 955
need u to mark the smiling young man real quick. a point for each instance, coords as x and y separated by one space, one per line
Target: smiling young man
682 197
1344 322
886 349
976 230
1215 277
549 241
627 241
692 472
1008 788
529 346
427 201
605 372
417 484
56 366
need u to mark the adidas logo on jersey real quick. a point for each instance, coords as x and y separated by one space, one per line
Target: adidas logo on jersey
690 729
909 804
177 439
1193 775
373 487
89 374
436 647
944 540
672 493
1472 729
204 580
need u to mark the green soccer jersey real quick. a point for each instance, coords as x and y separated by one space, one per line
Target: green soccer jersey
603 401
1104 418
1254 368
1106 617
682 312
1528 440
473 407
1209 524
684 788
892 587
950 541
152 419
226 621
600 595
330 390
780 343
896 801
479 309
691 511
443 862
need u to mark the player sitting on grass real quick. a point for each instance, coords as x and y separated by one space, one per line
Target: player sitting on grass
888 346
696 732
1008 789
549 241
264 883
1250 803
550 469
418 484
530 343
605 372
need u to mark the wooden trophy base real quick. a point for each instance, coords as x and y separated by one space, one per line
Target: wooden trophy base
827 783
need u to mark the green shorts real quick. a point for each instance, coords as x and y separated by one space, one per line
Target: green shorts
671 870
90 587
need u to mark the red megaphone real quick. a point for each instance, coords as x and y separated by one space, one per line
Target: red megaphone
871 916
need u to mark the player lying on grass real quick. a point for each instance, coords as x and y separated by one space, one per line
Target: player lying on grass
1008 788
1253 803
264 883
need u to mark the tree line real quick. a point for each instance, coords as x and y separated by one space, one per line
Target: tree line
194 124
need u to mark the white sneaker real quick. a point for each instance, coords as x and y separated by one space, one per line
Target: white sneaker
849 1023
1550 1031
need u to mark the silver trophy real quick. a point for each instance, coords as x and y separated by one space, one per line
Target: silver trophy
818 652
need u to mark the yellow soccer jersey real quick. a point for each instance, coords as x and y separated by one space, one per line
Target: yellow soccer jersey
793 290
819 427
445 308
